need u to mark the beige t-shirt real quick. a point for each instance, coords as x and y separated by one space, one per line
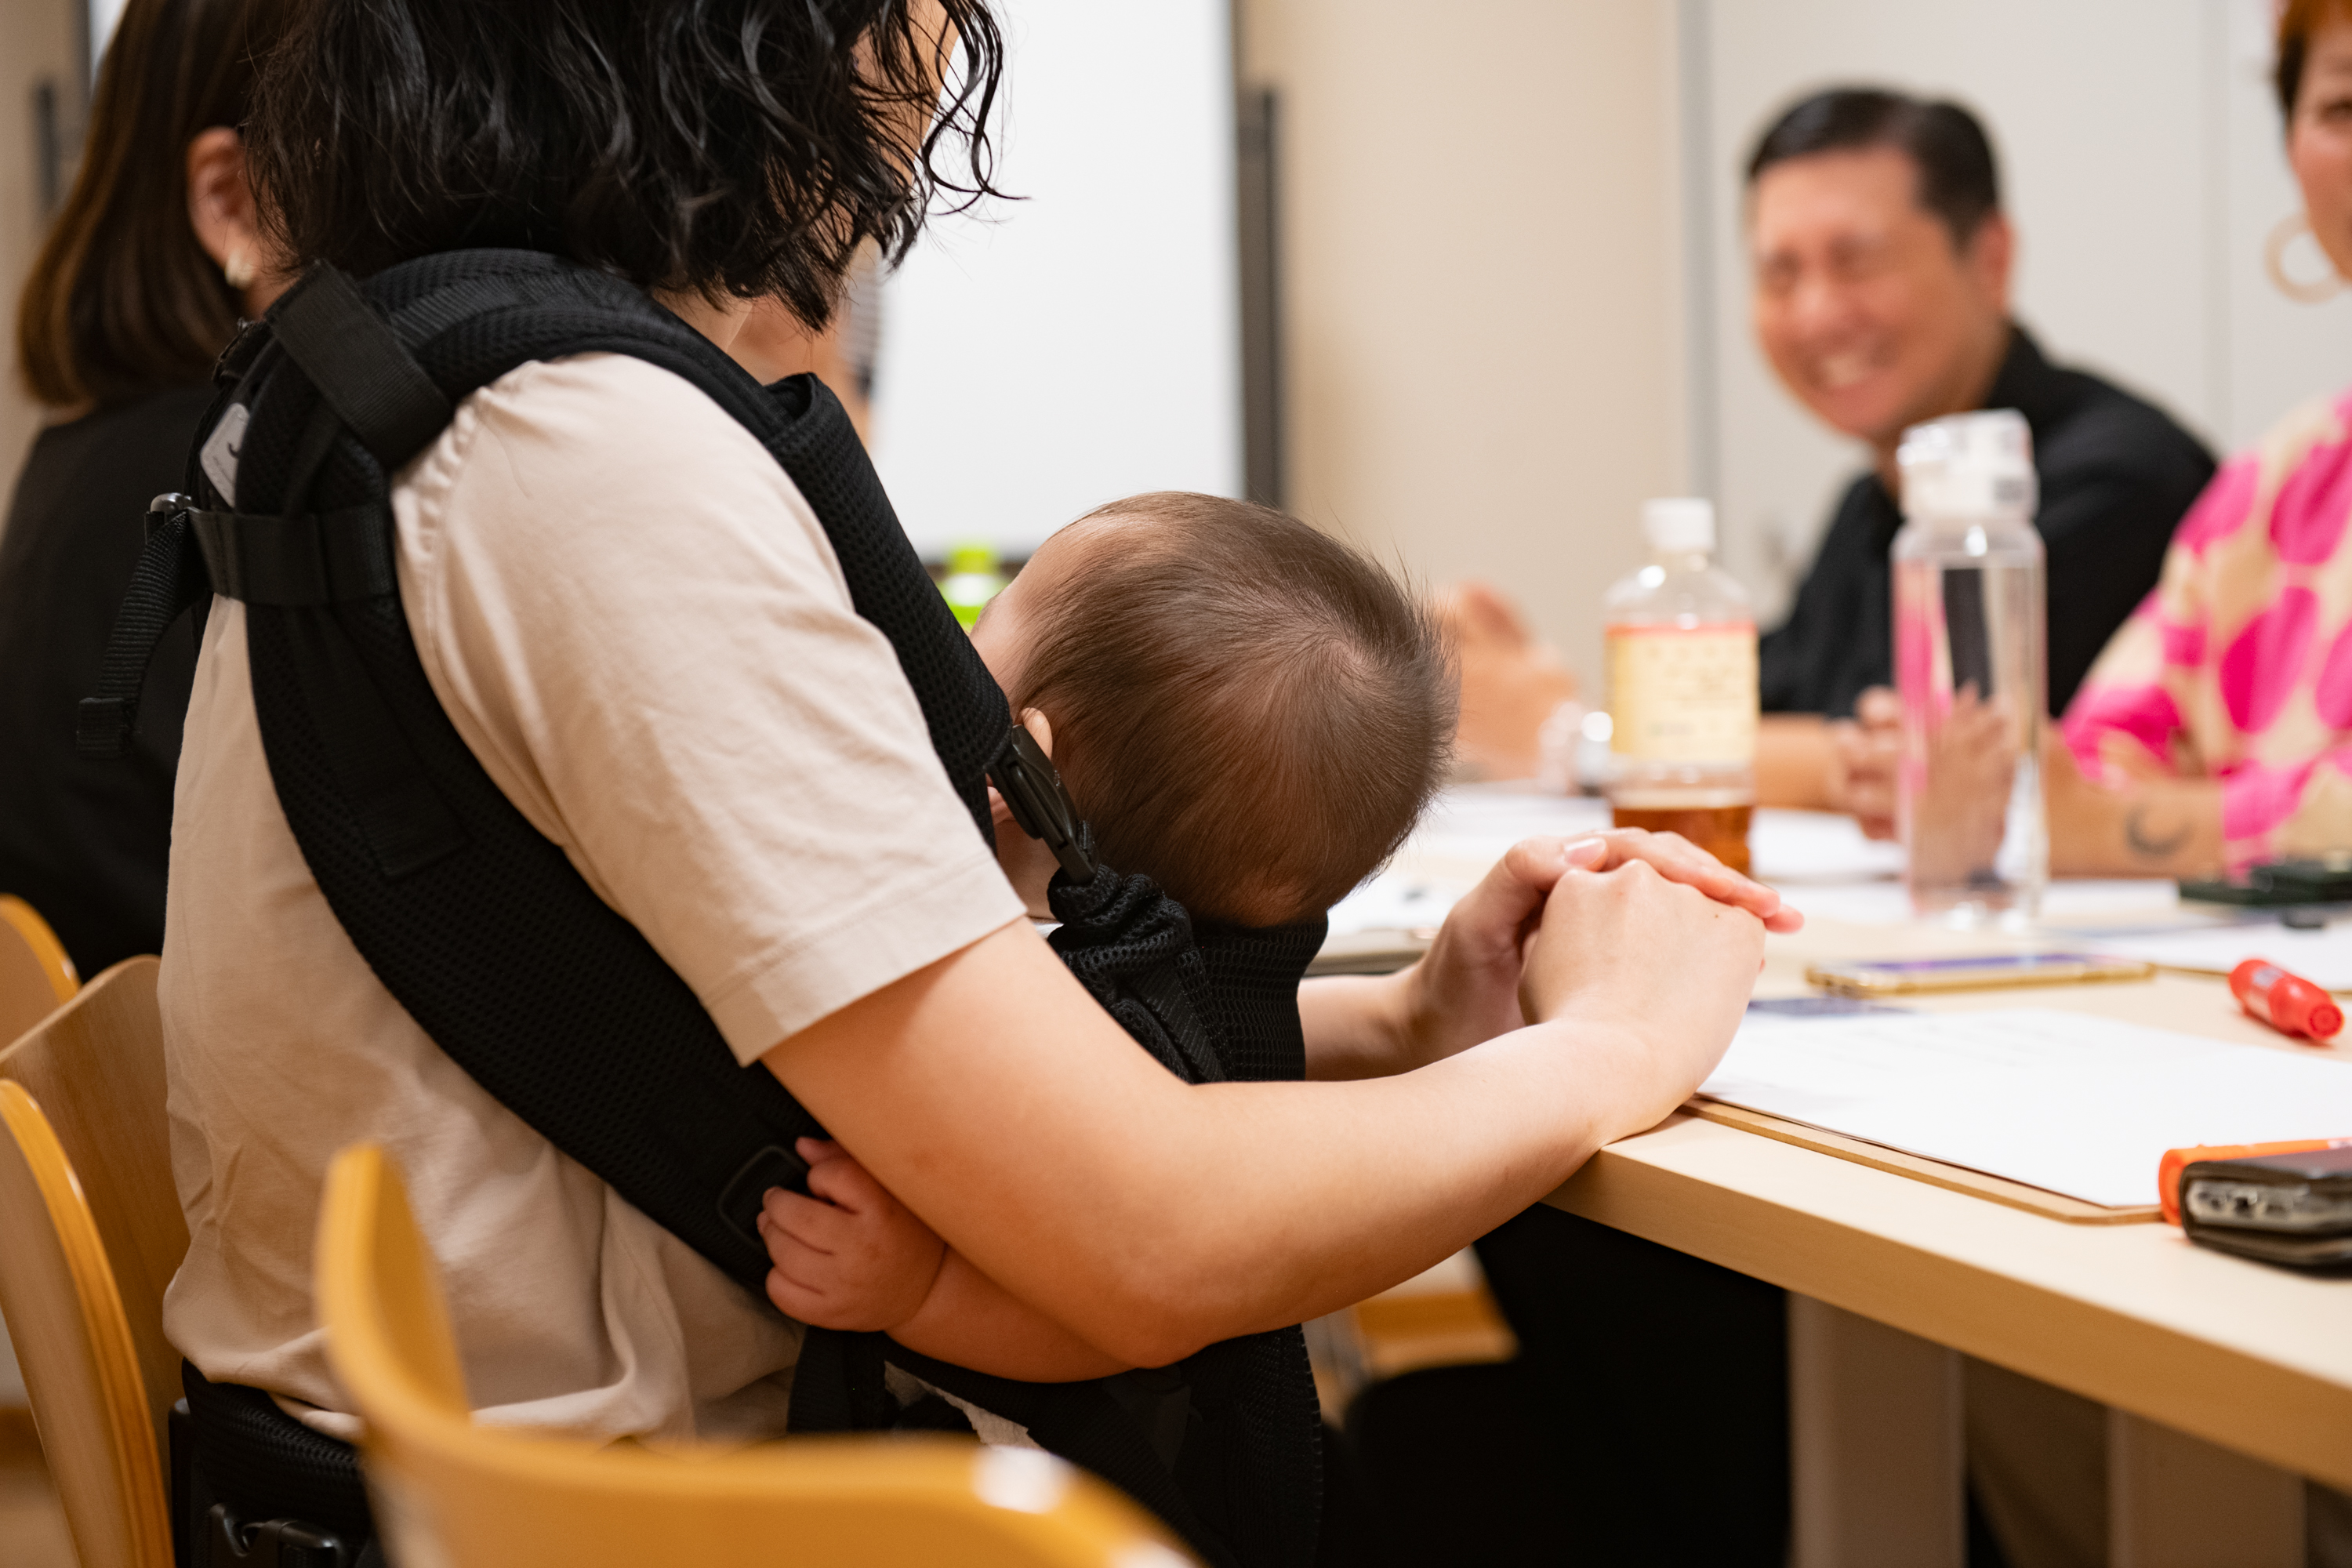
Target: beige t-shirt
637 625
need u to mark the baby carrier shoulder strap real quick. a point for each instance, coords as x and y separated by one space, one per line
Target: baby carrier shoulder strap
580 1028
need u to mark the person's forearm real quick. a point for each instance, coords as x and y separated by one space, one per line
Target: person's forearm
1355 1027
2152 828
1203 1212
972 1321
1463 990
1792 762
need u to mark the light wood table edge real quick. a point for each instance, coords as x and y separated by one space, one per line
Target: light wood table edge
2278 1413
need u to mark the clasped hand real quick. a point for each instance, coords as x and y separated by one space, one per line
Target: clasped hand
1622 913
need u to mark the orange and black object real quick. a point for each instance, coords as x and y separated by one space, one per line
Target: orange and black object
2287 1204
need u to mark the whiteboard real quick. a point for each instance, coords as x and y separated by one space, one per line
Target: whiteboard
1040 357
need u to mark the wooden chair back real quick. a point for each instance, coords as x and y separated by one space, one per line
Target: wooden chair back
90 1235
449 1492
75 1343
36 976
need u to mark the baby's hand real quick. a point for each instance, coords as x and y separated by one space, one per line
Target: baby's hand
857 1260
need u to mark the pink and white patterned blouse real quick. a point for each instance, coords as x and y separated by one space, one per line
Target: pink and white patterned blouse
2239 666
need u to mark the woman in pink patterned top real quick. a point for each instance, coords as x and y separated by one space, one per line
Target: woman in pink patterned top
2216 729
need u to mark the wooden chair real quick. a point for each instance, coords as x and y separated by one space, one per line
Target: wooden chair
90 1234
449 1492
36 976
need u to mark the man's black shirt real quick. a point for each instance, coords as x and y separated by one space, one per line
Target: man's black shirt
2116 474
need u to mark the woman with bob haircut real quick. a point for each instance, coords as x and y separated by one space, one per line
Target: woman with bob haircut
136 291
631 616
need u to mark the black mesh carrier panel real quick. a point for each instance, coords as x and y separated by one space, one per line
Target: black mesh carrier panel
1226 1444
501 951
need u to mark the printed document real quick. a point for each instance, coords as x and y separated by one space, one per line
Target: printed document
2063 1102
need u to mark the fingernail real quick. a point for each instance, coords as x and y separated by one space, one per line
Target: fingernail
1585 852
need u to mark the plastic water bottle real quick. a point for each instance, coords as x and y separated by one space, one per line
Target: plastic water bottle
1969 656
1681 653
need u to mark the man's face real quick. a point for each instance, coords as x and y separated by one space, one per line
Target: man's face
1870 313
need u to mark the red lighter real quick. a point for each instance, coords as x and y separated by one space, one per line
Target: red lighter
2287 1003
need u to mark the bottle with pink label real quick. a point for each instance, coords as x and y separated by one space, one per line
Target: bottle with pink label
1681 654
1969 661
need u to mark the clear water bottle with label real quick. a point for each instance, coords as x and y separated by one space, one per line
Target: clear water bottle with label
1969 658
1681 653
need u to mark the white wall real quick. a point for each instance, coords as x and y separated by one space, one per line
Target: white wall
2140 157
1046 355
1482 285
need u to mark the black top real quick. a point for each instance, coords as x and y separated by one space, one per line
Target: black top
86 843
2116 474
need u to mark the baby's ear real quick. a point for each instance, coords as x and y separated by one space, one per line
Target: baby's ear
1033 719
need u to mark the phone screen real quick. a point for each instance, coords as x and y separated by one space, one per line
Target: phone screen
2003 962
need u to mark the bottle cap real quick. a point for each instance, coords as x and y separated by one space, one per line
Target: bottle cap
1968 464
971 557
1679 523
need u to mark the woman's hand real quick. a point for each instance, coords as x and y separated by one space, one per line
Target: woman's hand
1466 988
1655 965
1865 752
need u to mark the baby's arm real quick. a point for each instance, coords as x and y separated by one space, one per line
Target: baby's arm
853 1257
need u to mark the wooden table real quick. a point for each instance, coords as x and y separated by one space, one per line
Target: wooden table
2227 1379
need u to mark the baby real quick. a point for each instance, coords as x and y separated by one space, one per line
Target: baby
1245 710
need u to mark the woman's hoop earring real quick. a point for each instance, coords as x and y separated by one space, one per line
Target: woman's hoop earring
238 269
2310 292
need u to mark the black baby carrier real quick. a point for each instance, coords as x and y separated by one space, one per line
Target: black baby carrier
484 932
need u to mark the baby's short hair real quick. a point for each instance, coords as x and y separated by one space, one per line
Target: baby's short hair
1243 708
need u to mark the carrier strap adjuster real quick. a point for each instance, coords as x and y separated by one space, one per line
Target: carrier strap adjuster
325 558
168 578
278 1543
1040 803
359 365
745 1195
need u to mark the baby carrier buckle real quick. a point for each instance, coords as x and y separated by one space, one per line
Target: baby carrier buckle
1034 792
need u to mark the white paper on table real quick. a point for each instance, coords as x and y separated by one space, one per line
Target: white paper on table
1889 903
1395 901
1786 846
2065 1102
1470 825
1480 822
2323 957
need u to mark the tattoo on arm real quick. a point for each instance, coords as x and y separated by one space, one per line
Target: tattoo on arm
2136 835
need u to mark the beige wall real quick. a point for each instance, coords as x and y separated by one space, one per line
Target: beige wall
1481 284
37 38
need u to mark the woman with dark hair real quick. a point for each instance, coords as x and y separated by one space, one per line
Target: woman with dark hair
635 623
137 290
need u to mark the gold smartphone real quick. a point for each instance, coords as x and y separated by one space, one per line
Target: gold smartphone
1893 976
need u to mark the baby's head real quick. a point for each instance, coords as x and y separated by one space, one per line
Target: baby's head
1245 708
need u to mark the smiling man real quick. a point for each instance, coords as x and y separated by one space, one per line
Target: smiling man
1882 266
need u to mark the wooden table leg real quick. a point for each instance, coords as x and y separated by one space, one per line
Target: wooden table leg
1875 1447
2177 1502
